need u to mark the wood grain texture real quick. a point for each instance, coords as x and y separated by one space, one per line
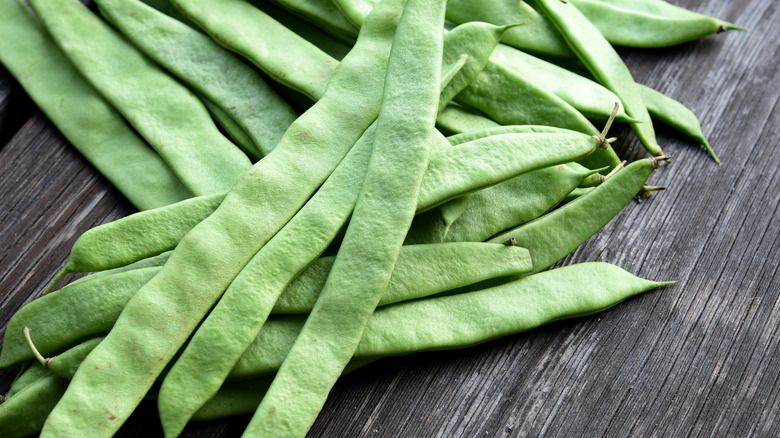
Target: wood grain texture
699 358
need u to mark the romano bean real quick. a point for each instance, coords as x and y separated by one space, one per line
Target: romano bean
531 151
76 311
511 308
676 115
70 102
138 236
164 112
248 31
234 131
210 256
401 149
589 97
578 220
455 119
324 14
500 207
31 372
648 23
204 66
24 414
536 33
604 63
477 40
233 324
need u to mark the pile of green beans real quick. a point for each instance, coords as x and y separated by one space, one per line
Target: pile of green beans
300 204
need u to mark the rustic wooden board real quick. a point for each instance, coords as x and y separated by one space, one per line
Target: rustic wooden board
699 358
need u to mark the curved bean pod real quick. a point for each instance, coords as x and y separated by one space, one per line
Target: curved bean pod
74 312
530 151
589 97
536 33
501 207
246 30
164 112
578 220
648 23
604 63
70 102
324 14
212 71
676 115
455 119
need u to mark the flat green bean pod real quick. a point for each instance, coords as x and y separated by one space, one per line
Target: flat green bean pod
535 35
71 103
164 112
455 321
456 119
70 314
604 63
138 236
248 31
24 413
556 234
589 97
676 115
530 151
210 256
477 40
500 207
648 23
204 66
324 14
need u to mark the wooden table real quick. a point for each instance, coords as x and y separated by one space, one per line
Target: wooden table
699 358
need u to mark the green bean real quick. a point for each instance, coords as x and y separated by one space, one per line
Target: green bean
501 207
648 23
138 236
456 321
210 256
382 216
356 11
324 14
71 103
234 131
535 35
531 151
455 119
477 40
28 375
451 211
74 312
578 220
511 99
604 63
676 115
163 111
248 31
450 71
589 97
313 34
204 66
24 413
457 264
459 139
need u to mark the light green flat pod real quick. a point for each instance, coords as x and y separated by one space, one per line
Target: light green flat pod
71 103
163 111
649 23
212 71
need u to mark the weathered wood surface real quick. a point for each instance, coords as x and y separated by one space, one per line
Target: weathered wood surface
699 358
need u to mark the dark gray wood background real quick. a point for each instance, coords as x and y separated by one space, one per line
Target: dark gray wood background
699 358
